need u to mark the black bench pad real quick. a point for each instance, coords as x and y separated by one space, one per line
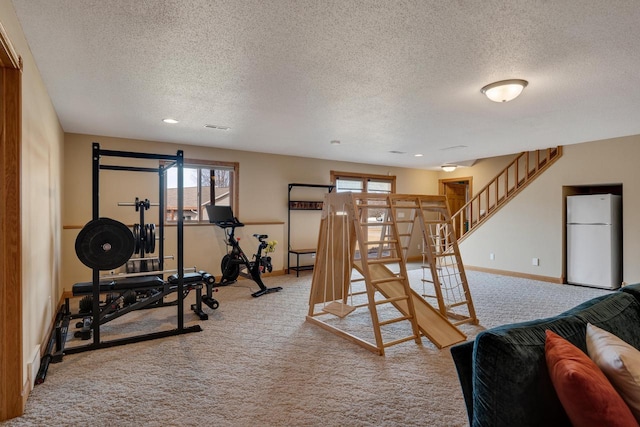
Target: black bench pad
131 283
86 288
188 278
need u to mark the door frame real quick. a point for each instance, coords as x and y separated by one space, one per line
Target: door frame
12 395
467 179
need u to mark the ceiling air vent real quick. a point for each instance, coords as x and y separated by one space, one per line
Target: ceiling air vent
397 152
218 127
455 147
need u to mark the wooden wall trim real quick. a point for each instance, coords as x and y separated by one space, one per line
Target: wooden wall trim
199 224
8 56
12 400
558 280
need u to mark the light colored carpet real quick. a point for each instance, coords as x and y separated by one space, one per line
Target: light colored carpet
258 363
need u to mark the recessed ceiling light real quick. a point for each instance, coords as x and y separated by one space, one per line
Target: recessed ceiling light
170 121
217 127
335 142
417 155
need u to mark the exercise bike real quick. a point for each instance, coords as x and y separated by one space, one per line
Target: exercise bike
235 263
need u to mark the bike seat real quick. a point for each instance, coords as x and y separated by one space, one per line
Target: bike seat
260 236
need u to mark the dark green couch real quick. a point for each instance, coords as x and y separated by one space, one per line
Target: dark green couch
503 372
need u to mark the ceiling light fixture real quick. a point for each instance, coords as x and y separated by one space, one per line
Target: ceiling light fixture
448 168
170 121
335 142
504 90
417 155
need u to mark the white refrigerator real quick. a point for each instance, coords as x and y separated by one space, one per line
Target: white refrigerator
594 240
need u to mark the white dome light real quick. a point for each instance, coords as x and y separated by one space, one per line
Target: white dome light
504 90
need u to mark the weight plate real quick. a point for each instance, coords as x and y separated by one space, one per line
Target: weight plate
150 238
136 238
104 244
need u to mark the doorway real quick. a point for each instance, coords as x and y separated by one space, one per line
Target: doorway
458 192
11 400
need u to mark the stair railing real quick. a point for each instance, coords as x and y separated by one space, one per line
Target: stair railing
510 181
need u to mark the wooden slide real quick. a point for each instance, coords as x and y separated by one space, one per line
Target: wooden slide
431 323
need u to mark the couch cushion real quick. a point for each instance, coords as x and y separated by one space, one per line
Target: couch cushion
633 290
618 313
585 392
511 385
462 355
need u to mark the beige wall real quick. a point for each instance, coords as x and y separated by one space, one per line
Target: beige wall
531 226
42 145
263 198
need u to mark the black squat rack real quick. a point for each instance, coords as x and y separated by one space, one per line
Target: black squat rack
114 253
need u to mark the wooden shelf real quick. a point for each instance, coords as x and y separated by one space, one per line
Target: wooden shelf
302 205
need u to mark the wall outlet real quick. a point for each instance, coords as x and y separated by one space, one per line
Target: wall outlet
492 256
535 261
419 246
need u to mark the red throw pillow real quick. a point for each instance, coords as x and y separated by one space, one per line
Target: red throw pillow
586 394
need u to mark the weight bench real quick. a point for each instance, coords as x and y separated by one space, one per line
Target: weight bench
135 293
140 283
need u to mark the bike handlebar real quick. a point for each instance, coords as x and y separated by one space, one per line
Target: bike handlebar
229 223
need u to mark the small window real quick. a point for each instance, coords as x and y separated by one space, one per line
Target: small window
363 183
205 183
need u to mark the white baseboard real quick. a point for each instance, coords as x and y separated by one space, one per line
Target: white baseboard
33 367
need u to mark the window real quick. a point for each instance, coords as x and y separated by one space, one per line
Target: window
205 183
357 182
364 183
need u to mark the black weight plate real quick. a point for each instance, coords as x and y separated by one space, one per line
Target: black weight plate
136 238
104 244
150 238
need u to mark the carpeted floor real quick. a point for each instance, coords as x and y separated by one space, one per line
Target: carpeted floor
258 363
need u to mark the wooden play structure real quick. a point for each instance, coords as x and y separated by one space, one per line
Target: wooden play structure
361 263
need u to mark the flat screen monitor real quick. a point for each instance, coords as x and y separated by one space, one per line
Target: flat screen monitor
219 214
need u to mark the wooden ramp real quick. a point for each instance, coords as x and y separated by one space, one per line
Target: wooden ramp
431 323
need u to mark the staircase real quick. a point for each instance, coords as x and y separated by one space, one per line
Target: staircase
509 182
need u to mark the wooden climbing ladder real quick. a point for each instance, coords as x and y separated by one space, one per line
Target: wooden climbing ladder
442 263
361 263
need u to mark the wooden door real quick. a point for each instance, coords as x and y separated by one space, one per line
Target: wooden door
457 193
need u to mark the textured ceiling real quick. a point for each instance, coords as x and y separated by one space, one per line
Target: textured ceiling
289 76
